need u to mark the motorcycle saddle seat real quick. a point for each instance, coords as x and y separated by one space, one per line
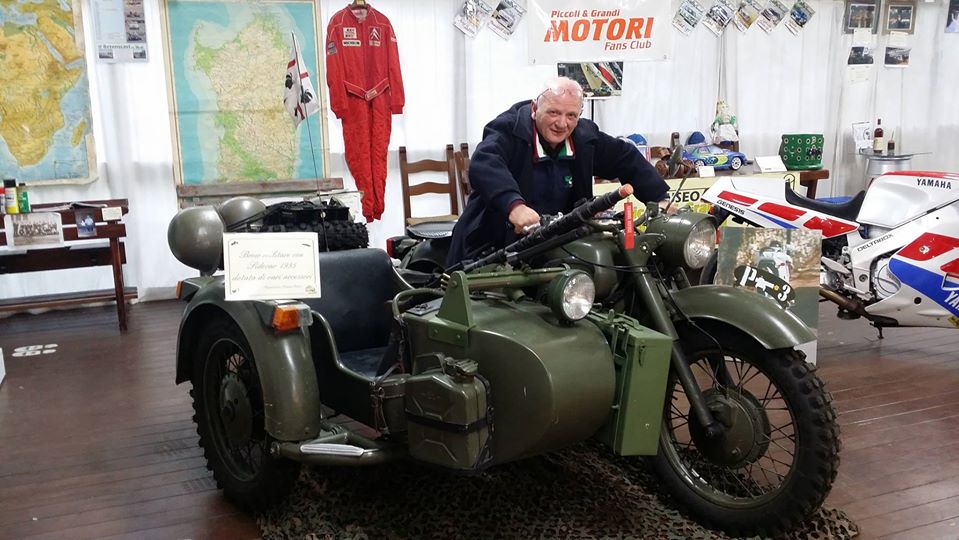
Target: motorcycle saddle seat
848 210
429 230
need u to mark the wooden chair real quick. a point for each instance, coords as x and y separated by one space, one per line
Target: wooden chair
411 167
461 162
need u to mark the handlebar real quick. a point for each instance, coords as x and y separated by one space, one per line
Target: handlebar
565 224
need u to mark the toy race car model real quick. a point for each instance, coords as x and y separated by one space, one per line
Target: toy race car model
710 154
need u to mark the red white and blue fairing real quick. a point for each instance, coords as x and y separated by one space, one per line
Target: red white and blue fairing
898 252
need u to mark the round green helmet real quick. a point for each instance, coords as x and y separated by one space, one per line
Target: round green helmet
195 236
239 209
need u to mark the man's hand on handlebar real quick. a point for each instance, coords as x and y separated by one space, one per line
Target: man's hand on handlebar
523 219
667 208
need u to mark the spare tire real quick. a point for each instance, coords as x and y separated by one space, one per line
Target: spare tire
340 235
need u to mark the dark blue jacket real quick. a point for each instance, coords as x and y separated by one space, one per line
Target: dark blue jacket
501 171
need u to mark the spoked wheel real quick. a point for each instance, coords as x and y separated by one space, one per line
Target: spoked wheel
735 163
778 456
228 403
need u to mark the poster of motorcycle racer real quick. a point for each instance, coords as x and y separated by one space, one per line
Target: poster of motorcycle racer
782 264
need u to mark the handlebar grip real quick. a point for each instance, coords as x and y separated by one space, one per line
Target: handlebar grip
565 224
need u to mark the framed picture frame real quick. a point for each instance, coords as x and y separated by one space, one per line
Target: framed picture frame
899 16
600 80
862 14
952 17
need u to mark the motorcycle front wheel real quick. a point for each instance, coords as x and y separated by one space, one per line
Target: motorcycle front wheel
778 456
229 415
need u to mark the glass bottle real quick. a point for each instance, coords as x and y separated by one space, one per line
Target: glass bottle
877 139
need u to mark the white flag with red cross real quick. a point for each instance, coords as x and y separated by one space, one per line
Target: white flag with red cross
299 97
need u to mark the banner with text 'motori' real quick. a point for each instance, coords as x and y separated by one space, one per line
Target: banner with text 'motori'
599 30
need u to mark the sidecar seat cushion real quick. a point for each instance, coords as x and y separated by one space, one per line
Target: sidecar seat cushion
355 285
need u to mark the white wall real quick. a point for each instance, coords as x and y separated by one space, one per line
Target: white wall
776 84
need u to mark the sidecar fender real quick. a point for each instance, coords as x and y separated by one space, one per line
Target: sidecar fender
754 314
284 362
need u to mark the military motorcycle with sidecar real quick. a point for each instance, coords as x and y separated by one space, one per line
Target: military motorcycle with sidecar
503 360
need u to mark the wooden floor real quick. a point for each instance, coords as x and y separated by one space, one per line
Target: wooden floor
97 442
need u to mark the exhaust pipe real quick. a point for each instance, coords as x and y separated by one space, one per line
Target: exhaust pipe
849 304
855 306
339 449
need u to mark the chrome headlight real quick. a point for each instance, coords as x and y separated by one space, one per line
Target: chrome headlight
571 295
690 238
700 244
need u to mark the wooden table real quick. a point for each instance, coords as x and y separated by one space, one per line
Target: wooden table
74 255
810 179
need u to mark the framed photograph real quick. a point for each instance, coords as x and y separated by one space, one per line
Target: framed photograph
782 264
34 229
952 17
86 223
861 14
599 79
900 16
860 56
897 57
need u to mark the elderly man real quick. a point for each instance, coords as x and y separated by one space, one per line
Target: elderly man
537 158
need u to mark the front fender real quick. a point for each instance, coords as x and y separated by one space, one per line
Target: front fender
751 312
291 396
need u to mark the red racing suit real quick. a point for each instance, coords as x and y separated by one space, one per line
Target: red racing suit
366 88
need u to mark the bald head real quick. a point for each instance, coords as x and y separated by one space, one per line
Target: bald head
556 110
560 86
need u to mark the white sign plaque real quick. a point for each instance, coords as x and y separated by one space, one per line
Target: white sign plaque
770 164
112 213
271 266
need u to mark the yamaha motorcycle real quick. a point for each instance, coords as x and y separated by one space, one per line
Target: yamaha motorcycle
889 254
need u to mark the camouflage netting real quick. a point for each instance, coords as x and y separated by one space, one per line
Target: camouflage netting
584 492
